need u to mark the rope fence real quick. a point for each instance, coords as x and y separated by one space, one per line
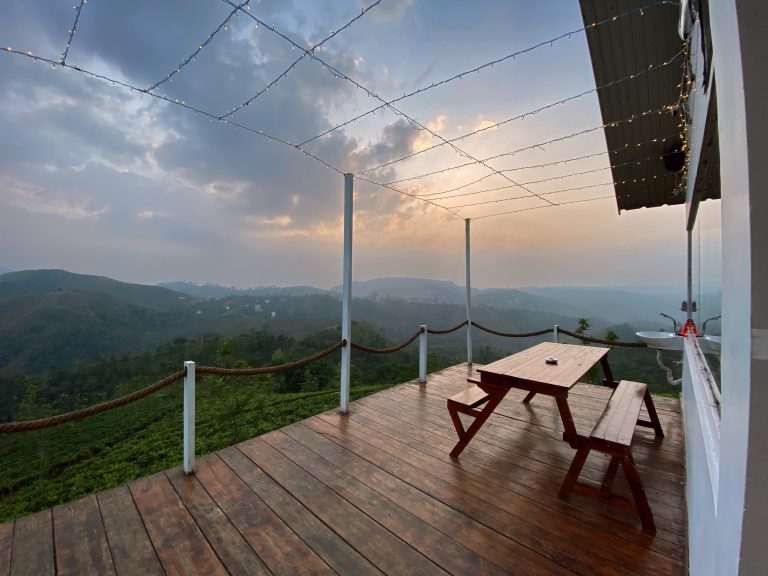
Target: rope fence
364 348
216 371
513 334
91 410
28 425
602 341
449 330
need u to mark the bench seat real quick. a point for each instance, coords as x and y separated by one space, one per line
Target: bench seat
613 435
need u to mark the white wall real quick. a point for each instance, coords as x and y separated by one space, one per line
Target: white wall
741 520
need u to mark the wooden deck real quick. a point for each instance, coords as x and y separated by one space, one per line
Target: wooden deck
376 492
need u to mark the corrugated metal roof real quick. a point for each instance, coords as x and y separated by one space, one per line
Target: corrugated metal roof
626 46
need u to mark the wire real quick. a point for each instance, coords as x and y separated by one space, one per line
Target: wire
414 123
561 177
174 101
78 8
490 64
299 59
194 54
404 193
546 164
540 145
524 197
540 109
547 206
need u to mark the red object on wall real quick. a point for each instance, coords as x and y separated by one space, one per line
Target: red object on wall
689 325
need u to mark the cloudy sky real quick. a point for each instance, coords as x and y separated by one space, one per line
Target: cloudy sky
100 178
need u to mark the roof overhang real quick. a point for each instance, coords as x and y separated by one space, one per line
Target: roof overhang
641 151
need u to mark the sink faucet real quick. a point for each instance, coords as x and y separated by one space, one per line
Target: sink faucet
674 322
704 326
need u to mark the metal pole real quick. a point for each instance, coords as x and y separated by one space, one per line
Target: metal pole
346 314
189 417
556 334
689 305
469 300
423 355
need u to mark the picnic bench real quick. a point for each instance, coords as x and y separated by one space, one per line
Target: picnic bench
613 433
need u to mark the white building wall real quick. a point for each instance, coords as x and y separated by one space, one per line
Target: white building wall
730 537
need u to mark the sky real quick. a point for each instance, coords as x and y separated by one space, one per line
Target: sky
100 178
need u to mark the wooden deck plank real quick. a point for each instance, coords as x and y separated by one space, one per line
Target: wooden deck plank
180 546
447 553
80 540
505 553
344 559
6 544
375 492
518 437
230 546
378 545
496 445
130 546
33 553
518 518
277 545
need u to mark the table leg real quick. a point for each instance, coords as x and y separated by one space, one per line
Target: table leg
655 422
497 395
608 373
569 433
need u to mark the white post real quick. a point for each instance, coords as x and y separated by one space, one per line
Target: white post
189 417
689 295
423 355
556 334
346 314
469 302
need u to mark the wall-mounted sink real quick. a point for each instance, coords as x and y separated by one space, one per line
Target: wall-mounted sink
710 344
661 340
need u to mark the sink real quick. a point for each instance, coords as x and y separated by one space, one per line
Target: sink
661 340
710 344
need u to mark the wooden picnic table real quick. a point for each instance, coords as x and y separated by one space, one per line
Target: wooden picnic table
528 370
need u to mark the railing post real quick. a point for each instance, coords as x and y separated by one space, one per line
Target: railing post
423 355
189 417
556 334
469 295
346 298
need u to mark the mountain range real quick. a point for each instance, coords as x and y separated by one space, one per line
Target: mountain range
51 319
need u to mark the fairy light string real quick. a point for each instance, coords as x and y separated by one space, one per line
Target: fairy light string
412 121
193 56
460 75
446 194
533 112
292 65
72 31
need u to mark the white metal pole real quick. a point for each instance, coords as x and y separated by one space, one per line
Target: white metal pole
689 303
469 300
189 417
423 355
556 334
346 314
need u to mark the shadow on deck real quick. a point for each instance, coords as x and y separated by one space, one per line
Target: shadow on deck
376 492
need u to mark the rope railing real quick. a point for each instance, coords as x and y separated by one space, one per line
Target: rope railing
447 331
403 344
602 341
91 410
216 371
28 425
513 334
